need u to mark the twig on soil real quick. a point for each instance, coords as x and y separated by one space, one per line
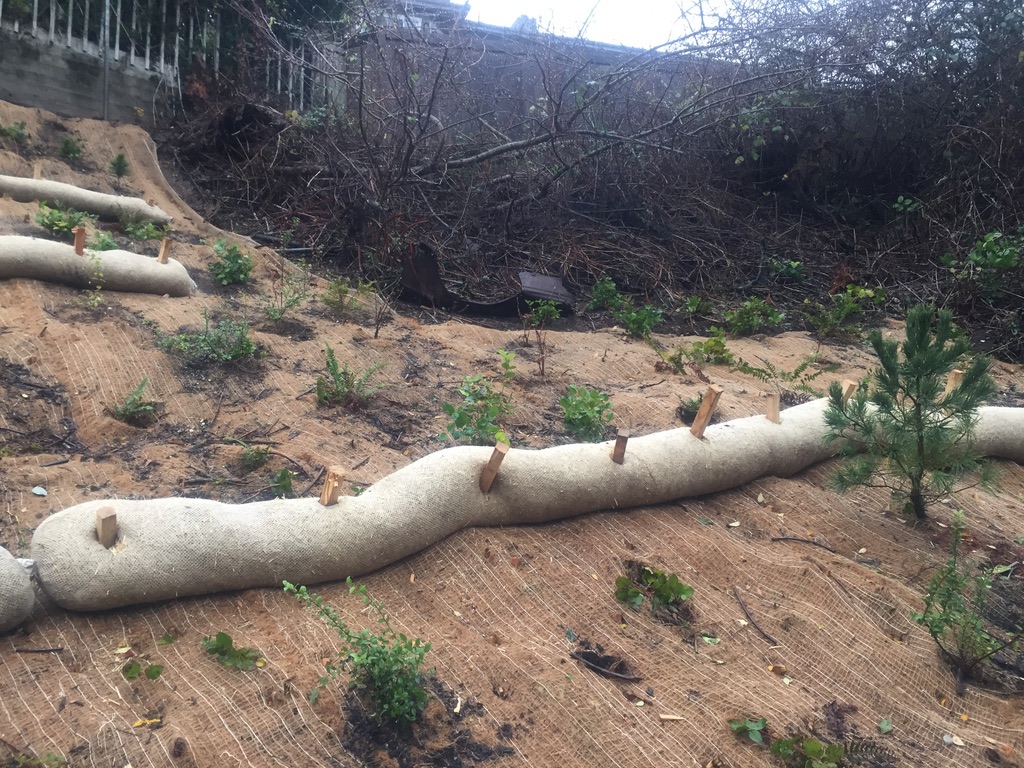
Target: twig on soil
55 463
754 624
601 670
805 541
57 649
313 482
648 386
296 462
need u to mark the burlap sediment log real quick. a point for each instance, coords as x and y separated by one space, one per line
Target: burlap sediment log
103 205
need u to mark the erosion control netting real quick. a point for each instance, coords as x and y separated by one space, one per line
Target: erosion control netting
499 605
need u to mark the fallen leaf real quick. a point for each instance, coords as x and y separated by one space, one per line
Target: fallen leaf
787 680
958 741
760 498
412 578
862 550
965 717
145 721
734 524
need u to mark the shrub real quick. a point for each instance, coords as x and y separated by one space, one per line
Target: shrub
281 483
136 229
906 433
712 350
119 166
387 664
954 607
59 221
751 316
605 295
286 292
586 413
253 456
639 322
788 271
101 241
832 321
135 410
226 342
478 418
71 148
232 265
988 262
542 314
344 387
15 131
223 647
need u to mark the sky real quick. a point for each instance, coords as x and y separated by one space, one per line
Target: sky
637 23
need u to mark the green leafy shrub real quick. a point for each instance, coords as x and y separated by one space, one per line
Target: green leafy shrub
135 410
751 316
833 321
59 221
605 295
752 729
478 418
906 433
586 412
790 271
119 166
137 229
253 456
698 305
954 607
345 387
14 131
542 314
639 322
223 648
665 590
713 350
807 752
286 293
388 665
71 148
232 265
281 483
101 241
988 262
226 342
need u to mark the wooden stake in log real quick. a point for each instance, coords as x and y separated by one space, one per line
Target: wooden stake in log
707 407
491 470
619 451
106 526
79 233
332 487
165 248
955 377
774 400
849 387
37 169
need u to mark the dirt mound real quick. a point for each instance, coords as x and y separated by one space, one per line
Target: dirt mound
787 576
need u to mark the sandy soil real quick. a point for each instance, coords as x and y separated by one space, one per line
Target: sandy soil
505 609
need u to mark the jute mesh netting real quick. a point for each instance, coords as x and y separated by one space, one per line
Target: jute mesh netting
503 607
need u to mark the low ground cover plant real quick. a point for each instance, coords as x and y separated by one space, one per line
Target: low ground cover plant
223 648
16 131
751 316
135 409
226 341
344 387
232 266
666 593
835 319
638 321
901 430
586 413
59 221
484 407
386 664
135 228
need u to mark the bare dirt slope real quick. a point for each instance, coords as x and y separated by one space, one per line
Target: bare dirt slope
504 608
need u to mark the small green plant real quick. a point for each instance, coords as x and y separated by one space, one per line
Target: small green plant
345 387
93 295
286 293
954 609
698 306
988 262
833 321
15 131
388 665
906 205
713 350
789 271
688 409
281 483
639 322
906 433
798 380
586 412
223 647
801 752
478 418
605 295
751 316
49 760
232 265
59 221
226 342
119 166
752 729
71 148
253 456
101 241
542 313
134 409
138 229
665 590
137 665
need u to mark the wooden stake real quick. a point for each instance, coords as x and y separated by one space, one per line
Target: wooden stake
955 377
37 169
849 387
619 452
491 470
772 408
106 526
165 248
332 486
707 407
79 233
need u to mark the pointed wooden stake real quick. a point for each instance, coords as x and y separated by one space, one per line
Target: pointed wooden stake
332 486
774 400
849 387
955 377
106 526
79 233
165 248
619 452
491 470
707 408
37 169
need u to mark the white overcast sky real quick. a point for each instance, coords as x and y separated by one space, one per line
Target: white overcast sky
638 23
